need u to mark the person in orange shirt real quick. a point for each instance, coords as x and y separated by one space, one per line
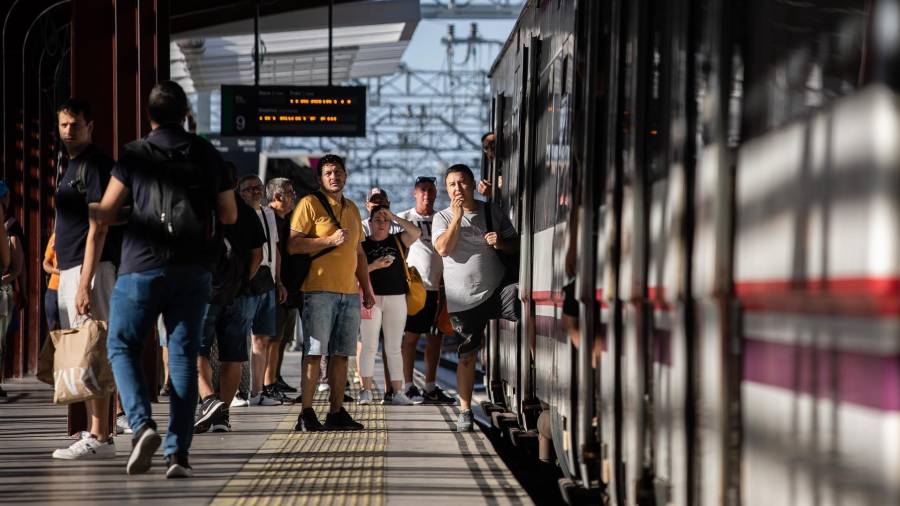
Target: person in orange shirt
51 307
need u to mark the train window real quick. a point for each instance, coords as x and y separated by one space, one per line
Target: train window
797 58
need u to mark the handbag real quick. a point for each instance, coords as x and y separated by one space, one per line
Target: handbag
81 369
415 295
263 281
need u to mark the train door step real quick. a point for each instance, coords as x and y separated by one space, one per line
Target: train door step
490 408
576 495
504 421
526 440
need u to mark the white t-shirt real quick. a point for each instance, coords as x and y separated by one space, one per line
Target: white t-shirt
421 253
472 271
272 235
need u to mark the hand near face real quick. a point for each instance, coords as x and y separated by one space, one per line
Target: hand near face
457 206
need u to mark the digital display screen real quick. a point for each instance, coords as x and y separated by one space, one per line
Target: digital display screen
294 111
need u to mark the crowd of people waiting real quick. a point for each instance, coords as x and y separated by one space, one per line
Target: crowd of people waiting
168 238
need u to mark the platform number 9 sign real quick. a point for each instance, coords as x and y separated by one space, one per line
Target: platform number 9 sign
239 122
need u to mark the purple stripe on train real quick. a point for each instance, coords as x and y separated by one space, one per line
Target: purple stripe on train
872 381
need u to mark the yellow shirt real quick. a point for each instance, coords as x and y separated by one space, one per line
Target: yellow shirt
335 271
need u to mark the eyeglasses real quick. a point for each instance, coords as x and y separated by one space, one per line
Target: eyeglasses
425 179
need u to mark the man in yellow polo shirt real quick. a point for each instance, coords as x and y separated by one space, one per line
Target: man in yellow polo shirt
337 274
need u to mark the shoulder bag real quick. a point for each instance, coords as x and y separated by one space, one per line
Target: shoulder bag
415 295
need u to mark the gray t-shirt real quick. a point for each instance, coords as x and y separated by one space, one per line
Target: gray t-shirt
472 271
421 253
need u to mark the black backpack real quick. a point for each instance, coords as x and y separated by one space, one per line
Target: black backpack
295 268
227 275
180 211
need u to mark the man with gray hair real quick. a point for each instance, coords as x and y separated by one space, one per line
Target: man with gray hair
282 199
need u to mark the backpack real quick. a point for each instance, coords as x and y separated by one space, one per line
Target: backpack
227 275
180 211
295 268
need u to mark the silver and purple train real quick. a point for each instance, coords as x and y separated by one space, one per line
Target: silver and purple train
730 173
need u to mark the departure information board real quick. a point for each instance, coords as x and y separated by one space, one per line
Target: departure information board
294 111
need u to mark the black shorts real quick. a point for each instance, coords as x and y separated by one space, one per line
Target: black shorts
503 304
425 321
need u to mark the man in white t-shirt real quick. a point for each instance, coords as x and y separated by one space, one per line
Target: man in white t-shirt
268 292
473 273
430 266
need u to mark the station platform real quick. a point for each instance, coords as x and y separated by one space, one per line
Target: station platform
406 455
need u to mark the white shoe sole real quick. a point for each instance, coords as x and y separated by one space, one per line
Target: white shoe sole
176 471
142 454
63 455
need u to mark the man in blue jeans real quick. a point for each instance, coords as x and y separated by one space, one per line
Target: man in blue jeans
160 273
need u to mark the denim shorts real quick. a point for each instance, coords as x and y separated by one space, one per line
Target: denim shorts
230 325
263 313
332 320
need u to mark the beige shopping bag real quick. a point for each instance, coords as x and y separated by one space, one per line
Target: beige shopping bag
81 369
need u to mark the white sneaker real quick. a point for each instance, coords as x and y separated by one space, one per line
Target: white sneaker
365 397
87 448
261 399
122 426
239 401
323 387
400 399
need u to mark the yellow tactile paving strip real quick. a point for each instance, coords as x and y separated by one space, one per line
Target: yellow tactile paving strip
316 469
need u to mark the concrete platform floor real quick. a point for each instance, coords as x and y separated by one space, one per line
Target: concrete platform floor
406 455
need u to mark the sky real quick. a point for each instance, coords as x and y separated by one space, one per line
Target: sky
425 51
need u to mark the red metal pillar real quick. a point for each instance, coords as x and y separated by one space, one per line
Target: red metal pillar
116 46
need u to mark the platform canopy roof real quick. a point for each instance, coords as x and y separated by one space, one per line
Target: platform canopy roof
214 46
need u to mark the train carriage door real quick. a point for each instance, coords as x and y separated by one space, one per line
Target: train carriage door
528 162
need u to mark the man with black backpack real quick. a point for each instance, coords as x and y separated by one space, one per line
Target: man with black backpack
328 227
176 182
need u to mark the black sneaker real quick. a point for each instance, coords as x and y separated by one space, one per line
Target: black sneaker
143 445
437 396
470 345
349 398
2 393
209 408
308 422
221 422
274 392
388 397
341 421
283 386
177 467
166 389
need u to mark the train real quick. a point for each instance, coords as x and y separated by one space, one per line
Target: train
717 185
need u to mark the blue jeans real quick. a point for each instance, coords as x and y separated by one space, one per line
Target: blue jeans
181 294
332 320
